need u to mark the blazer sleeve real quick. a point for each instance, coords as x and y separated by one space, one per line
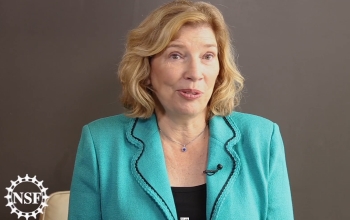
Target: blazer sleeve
84 193
279 195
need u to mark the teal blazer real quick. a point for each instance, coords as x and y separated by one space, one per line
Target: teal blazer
120 171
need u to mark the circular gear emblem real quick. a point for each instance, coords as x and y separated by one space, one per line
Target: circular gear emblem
11 203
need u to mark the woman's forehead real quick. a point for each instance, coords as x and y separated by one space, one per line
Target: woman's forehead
203 35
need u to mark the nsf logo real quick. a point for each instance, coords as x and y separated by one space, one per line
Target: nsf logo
26 198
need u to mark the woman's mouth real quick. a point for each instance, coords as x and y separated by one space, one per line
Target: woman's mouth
190 93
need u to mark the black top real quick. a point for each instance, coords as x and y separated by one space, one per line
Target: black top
190 202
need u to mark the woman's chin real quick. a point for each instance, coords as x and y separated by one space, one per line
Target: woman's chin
190 112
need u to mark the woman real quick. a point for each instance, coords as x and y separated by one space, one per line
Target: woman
180 151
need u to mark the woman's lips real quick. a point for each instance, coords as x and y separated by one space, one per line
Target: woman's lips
190 93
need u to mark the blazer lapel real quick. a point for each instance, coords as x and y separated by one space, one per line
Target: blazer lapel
148 163
223 136
149 168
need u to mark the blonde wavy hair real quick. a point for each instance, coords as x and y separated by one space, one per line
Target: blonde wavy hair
154 34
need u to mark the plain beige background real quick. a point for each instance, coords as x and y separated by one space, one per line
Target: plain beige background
58 61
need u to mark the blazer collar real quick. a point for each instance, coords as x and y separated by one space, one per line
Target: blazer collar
149 168
148 163
224 135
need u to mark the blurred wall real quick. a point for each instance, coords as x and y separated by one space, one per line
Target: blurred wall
58 62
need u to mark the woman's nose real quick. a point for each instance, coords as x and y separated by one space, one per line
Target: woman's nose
194 71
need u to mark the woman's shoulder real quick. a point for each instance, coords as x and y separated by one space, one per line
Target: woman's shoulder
247 117
110 123
120 118
250 122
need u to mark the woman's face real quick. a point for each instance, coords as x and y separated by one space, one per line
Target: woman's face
184 74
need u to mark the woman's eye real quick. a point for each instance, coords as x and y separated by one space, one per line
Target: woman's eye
208 56
175 56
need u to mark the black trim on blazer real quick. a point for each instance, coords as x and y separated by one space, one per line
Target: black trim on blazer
233 168
137 169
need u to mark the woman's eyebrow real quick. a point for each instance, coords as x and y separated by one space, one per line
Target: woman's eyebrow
210 45
175 45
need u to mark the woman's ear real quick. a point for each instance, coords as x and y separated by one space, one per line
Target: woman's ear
149 85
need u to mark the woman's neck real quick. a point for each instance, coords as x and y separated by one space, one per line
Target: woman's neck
181 128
